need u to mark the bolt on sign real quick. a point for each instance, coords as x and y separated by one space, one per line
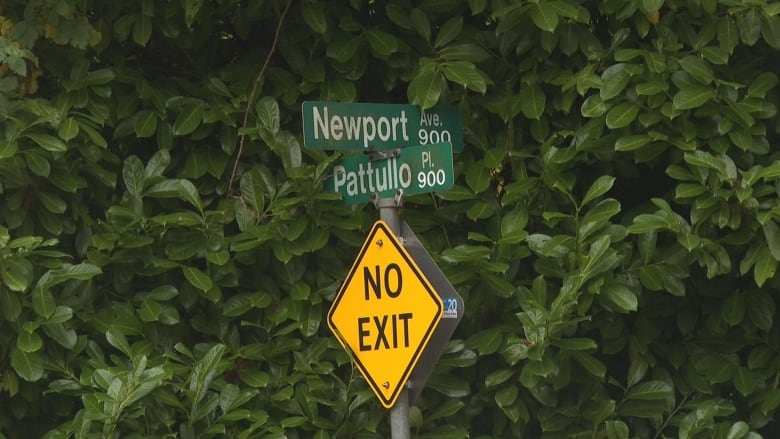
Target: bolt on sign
385 313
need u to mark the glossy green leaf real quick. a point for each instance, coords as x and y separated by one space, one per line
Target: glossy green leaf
149 311
532 101
593 106
514 223
591 364
268 112
621 115
599 187
770 29
650 390
506 396
142 29
464 51
620 296
576 344
749 25
478 178
728 35
188 120
43 302
66 337
157 163
425 89
28 365
705 160
760 309
689 190
16 273
691 97
465 74
698 68
649 6
421 23
189 193
254 378
636 371
738 430
343 50
118 340
382 42
204 372
765 267
616 430
598 217
733 309
28 342
8 149
61 314
565 9
191 9
47 142
38 163
633 142
52 203
146 124
763 83
314 16
487 342
544 16
133 176
198 278
68 129
498 377
613 81
715 55
448 31
772 235
744 381
83 271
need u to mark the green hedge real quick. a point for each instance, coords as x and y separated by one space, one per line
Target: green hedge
168 254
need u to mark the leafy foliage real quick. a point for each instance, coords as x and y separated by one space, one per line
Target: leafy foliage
166 265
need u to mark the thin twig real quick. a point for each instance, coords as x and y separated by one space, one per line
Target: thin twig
252 94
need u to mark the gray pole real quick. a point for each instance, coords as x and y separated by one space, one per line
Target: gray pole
399 414
399 417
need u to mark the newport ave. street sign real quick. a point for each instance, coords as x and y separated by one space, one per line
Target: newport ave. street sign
362 126
385 313
415 170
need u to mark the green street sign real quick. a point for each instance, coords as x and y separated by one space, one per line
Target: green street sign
415 170
361 126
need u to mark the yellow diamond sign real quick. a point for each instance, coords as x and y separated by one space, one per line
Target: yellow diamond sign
385 313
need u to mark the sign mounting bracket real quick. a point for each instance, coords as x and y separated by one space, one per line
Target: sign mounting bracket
383 155
387 202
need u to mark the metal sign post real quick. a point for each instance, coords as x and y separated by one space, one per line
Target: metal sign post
387 312
399 413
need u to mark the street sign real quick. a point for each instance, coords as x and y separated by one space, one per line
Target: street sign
363 126
385 313
453 311
415 170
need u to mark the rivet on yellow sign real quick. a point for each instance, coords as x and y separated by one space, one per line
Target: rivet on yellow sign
385 313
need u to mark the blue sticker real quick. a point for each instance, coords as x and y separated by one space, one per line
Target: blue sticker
450 308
